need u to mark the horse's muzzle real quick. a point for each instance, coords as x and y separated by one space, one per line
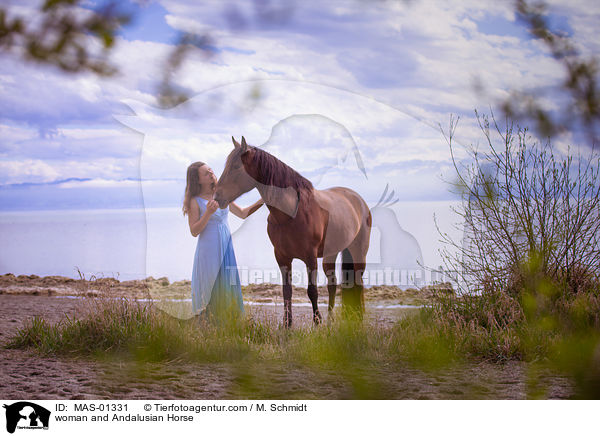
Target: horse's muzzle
222 202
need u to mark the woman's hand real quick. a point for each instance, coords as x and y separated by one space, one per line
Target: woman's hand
211 207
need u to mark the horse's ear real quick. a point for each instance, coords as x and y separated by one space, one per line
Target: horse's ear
244 145
235 143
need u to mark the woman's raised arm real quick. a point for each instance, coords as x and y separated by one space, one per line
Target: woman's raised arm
196 221
246 212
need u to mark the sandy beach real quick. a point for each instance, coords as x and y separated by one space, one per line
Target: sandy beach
24 374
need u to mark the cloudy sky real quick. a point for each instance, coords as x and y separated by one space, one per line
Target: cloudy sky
325 86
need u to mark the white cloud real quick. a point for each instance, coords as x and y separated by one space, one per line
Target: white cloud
110 183
46 171
27 171
13 133
388 73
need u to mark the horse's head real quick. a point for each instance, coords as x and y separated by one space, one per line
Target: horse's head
235 179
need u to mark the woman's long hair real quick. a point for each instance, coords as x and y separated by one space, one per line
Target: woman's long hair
193 187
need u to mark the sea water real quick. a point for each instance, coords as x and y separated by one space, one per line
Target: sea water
136 243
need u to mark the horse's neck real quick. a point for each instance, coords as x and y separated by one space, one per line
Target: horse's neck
280 200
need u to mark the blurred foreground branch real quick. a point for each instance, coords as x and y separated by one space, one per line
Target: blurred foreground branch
75 39
579 89
65 35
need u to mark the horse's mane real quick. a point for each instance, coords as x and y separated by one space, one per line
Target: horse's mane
276 173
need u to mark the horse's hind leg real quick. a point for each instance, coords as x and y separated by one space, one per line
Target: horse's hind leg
329 270
311 267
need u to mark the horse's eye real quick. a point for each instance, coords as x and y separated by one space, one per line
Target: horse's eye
237 164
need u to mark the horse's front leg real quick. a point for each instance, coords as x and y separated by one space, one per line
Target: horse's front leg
285 266
313 294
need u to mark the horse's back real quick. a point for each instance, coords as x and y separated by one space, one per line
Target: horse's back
342 197
348 213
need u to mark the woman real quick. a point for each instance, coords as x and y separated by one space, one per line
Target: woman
216 287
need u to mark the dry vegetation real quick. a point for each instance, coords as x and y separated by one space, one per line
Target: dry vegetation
528 267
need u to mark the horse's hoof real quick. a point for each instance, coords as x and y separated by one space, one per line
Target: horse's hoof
317 318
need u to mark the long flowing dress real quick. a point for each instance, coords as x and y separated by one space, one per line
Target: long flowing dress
216 288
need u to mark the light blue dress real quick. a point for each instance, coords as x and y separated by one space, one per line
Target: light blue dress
215 279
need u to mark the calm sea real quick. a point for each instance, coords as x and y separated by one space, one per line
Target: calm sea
135 243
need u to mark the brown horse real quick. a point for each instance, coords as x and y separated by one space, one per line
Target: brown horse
304 223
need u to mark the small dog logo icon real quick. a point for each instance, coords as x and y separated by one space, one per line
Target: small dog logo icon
26 415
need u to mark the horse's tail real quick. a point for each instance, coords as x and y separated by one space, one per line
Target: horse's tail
347 268
352 290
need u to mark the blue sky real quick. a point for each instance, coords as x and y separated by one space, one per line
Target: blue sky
331 77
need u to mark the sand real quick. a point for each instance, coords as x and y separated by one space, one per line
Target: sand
25 374
161 288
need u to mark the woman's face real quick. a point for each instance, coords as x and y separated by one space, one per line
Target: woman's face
207 177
